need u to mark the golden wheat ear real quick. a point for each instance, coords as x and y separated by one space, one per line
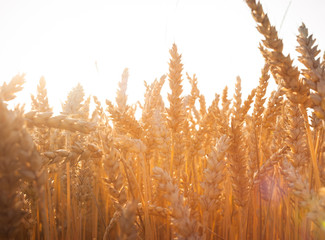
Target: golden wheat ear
176 112
314 72
8 91
19 163
185 227
285 74
41 102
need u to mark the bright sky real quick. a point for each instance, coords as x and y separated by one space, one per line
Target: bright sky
62 41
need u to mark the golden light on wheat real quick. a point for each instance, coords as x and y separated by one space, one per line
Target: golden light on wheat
239 168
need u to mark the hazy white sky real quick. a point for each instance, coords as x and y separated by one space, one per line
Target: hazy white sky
62 40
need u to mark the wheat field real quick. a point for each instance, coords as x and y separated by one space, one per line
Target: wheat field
237 169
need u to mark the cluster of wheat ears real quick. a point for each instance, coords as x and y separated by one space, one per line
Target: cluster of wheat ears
237 169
